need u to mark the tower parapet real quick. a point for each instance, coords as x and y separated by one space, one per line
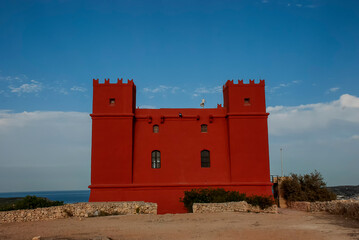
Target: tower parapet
107 82
114 98
244 97
240 82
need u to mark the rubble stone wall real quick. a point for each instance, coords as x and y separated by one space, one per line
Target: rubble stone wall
231 207
349 208
93 209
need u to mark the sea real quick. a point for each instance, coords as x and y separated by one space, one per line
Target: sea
66 196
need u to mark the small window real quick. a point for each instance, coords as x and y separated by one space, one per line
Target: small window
205 161
204 128
156 159
156 128
112 101
247 101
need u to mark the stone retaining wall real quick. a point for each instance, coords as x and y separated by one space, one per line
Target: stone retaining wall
231 207
79 210
349 208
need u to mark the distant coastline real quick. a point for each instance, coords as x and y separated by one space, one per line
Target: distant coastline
346 191
72 196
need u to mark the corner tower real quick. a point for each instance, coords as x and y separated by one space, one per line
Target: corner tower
112 133
248 133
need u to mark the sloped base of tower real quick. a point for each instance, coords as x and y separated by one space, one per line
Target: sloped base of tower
168 196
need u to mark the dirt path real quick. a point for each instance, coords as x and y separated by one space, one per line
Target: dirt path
288 224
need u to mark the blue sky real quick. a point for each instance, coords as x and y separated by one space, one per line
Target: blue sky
177 52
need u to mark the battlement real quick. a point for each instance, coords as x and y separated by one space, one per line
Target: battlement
107 82
241 83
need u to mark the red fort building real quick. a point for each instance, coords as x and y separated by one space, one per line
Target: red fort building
154 155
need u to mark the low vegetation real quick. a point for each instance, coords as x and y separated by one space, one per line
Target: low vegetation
220 195
309 187
29 202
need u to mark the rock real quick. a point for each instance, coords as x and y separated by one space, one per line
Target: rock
77 210
349 208
230 207
36 238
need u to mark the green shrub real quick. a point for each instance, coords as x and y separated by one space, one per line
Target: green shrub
262 201
309 187
219 195
31 202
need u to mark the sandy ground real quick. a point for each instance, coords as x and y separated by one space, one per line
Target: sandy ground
287 224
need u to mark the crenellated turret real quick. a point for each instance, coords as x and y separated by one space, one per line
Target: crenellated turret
114 98
112 131
247 130
244 97
107 82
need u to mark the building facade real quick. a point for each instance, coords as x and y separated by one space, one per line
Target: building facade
154 155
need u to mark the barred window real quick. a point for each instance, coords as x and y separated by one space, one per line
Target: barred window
205 160
204 128
156 159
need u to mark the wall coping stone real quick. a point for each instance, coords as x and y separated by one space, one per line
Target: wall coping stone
231 207
92 209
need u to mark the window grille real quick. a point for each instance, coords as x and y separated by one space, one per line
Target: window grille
156 159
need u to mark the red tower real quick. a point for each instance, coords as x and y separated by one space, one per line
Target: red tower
154 155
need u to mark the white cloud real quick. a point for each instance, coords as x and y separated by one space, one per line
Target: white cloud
17 78
161 89
20 84
322 136
147 107
282 85
349 101
78 89
334 89
310 117
32 87
33 142
212 90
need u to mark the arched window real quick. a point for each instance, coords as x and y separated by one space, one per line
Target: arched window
205 160
156 128
156 159
204 128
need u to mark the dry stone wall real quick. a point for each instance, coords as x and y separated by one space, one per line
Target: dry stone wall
349 208
231 207
79 210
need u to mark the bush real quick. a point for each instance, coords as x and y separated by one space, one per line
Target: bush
309 187
262 201
31 202
219 195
